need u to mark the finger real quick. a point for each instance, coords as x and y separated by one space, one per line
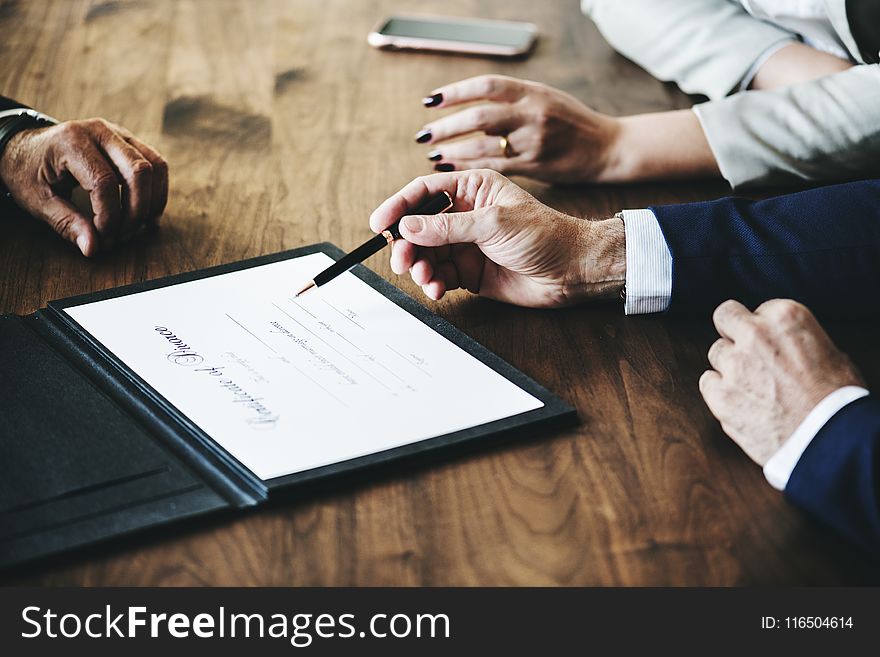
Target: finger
784 310
469 149
403 256
718 353
710 384
159 197
462 187
447 272
500 164
88 165
434 289
137 174
160 170
491 119
732 319
422 271
447 228
70 224
469 263
483 87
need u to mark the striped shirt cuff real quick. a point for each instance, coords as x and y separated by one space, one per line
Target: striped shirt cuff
648 264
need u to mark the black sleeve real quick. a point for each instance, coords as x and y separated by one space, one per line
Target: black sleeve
8 103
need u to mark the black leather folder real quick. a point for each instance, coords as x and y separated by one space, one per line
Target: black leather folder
89 451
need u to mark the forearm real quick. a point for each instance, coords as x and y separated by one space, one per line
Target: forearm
818 247
660 146
820 130
704 46
796 63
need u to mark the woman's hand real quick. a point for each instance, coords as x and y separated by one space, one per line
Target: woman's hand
550 135
553 137
500 242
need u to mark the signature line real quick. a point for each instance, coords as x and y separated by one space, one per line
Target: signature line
344 315
250 333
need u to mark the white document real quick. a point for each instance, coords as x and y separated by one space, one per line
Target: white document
287 384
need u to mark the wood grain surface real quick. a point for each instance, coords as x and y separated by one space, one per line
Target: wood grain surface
282 127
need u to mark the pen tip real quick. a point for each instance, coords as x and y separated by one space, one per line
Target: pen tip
305 288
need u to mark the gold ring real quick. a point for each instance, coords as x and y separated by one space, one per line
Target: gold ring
505 146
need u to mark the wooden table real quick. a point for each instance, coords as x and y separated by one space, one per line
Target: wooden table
283 128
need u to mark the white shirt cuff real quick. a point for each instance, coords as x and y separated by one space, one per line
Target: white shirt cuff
780 466
648 264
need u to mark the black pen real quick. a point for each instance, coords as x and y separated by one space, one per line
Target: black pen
434 205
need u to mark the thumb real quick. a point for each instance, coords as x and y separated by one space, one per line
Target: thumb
445 228
66 220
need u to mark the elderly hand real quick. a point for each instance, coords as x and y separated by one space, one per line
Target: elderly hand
40 167
770 368
501 243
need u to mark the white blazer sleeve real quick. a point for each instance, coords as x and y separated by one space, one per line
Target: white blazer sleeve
824 130
705 46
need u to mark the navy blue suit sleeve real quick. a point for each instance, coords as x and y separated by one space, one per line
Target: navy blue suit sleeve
8 103
837 478
820 247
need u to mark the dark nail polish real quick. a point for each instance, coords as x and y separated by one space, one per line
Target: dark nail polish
435 156
423 136
444 166
432 101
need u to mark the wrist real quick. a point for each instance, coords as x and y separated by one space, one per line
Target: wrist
15 126
619 159
600 271
8 157
661 146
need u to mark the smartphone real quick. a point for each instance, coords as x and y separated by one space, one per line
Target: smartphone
467 35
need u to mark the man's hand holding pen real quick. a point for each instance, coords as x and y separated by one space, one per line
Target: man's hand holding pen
502 243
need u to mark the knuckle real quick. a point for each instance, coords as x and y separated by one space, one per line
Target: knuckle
441 224
790 311
63 223
105 181
97 123
141 169
749 334
69 130
705 382
488 85
490 175
160 167
541 117
722 311
481 117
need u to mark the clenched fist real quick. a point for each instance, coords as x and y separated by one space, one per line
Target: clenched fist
770 369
